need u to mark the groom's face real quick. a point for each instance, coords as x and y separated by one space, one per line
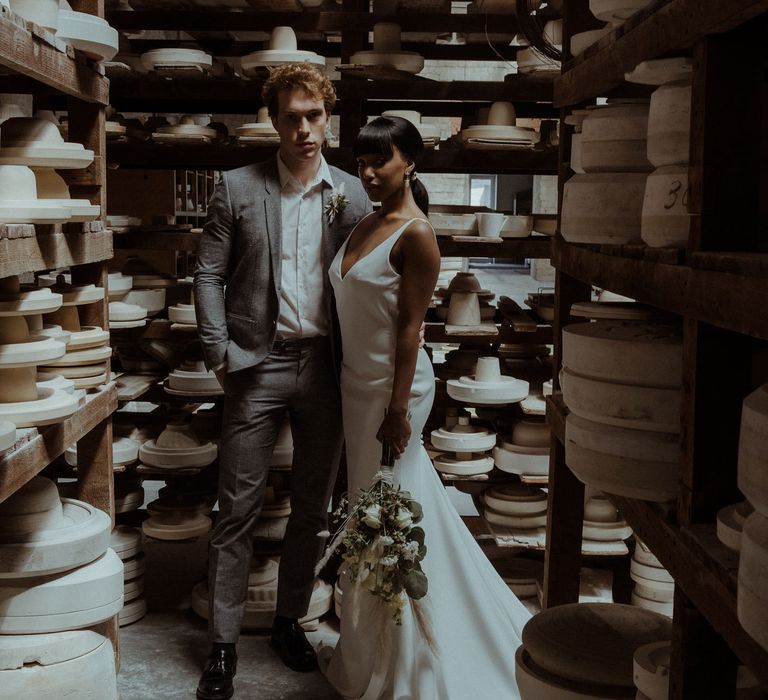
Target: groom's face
300 122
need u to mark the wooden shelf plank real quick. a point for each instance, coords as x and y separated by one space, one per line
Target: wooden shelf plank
211 19
30 55
679 289
435 333
531 247
662 27
157 240
47 251
40 446
705 570
214 157
431 98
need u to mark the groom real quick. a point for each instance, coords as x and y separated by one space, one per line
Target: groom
266 324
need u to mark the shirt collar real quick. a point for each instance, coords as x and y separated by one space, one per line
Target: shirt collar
287 178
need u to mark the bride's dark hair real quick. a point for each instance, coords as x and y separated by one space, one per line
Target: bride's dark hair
381 134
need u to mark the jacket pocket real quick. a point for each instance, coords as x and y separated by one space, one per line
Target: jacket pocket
239 317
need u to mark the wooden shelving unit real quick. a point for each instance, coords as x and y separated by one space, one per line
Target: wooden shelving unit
40 64
714 284
30 51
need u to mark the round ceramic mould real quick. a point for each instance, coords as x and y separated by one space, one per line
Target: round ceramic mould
84 538
473 439
460 466
79 598
504 390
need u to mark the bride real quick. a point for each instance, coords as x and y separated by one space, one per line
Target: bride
383 278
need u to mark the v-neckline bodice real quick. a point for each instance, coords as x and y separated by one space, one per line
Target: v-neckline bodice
343 275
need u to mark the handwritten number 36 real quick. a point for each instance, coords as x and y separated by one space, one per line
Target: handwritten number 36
673 194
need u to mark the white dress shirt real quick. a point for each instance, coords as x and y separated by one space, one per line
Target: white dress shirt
302 312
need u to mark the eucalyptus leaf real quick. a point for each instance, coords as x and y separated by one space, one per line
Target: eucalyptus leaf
416 584
416 510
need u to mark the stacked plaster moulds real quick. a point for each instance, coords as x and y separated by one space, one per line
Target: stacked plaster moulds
621 382
465 447
665 217
192 378
515 506
88 350
526 450
654 587
22 401
39 195
183 314
499 131
57 574
177 451
752 601
584 651
604 204
121 313
602 522
488 387
128 544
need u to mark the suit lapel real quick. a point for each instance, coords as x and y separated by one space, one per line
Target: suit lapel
273 214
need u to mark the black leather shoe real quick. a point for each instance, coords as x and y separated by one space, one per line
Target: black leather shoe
291 644
219 670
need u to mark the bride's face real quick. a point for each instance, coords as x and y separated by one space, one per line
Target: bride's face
383 176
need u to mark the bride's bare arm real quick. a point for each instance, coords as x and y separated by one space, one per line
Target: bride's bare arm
419 259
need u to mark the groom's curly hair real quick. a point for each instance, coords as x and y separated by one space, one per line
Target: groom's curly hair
297 75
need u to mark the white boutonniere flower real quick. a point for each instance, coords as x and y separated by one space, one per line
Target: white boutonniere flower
337 203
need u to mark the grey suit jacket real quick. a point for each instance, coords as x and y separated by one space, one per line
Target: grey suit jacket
240 250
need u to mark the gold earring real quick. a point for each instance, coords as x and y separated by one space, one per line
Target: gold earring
407 180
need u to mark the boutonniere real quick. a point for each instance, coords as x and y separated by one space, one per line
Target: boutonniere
337 203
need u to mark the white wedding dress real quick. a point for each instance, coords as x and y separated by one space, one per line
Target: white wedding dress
476 620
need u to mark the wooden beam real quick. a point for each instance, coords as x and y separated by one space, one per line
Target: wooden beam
355 21
702 663
25 53
95 482
727 181
662 27
565 505
86 126
557 412
711 418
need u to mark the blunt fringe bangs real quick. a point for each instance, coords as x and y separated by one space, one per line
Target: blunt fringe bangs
382 134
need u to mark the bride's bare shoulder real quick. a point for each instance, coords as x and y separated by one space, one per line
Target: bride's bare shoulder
419 229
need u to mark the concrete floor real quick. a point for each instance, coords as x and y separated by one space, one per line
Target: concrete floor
163 654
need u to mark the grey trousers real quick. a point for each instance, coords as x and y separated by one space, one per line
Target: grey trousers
301 380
